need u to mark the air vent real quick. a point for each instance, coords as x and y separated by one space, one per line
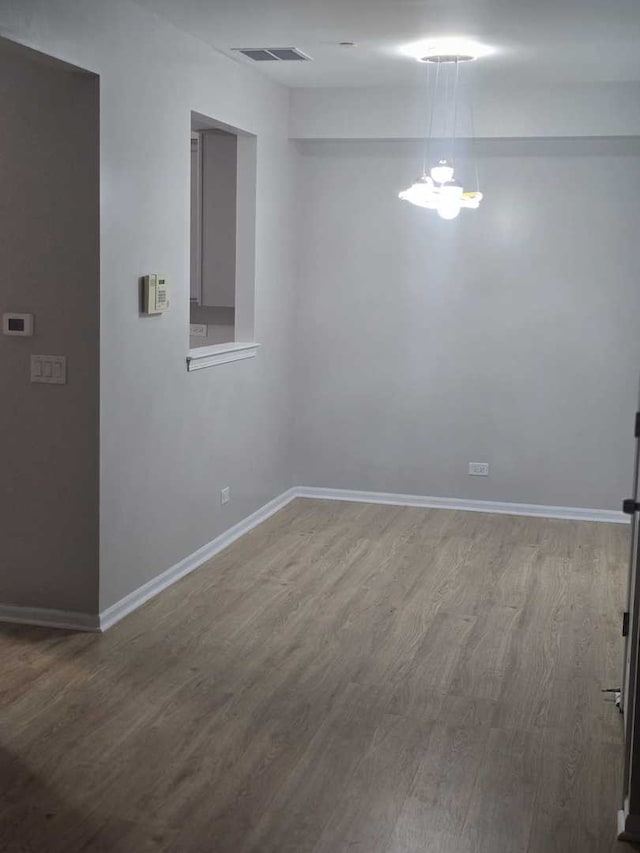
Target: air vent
273 54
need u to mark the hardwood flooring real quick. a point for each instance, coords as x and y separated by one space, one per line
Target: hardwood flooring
346 677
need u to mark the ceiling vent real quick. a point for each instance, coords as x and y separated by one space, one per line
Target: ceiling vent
273 54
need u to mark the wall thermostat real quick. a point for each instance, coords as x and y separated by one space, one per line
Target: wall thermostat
155 294
17 324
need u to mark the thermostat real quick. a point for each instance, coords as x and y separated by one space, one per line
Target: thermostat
17 324
155 294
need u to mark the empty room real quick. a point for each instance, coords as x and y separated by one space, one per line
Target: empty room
324 536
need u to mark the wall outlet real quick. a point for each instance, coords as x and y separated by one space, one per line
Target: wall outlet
479 469
198 330
225 495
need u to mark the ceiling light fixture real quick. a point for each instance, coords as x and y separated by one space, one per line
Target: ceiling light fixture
436 188
436 50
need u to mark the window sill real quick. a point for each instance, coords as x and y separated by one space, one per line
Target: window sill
202 357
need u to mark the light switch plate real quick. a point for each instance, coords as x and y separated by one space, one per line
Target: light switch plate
49 369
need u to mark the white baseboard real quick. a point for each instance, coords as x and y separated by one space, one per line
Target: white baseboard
150 589
91 622
497 507
628 825
138 597
69 619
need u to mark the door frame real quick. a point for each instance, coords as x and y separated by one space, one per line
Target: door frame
629 815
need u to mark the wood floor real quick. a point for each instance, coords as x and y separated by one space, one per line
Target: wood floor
347 677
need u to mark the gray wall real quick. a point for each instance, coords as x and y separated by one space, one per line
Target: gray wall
219 322
170 440
219 180
50 267
503 109
509 335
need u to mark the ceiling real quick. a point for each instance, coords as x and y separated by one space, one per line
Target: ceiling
535 41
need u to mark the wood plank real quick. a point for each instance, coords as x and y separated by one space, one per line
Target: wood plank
446 778
578 794
366 815
413 833
502 806
315 789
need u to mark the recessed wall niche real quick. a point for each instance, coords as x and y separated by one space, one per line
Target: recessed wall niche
222 233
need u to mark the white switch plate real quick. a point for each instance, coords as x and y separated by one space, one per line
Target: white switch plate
49 369
225 495
198 330
479 469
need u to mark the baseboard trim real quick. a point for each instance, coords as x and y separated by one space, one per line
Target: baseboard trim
74 621
149 590
628 826
495 507
70 620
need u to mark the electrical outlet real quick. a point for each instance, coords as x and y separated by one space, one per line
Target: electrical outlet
198 330
479 469
225 495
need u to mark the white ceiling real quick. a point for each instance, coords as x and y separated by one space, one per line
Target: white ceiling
535 40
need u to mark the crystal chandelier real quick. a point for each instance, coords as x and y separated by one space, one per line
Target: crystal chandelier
438 188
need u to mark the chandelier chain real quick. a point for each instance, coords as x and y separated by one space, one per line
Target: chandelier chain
455 111
432 96
473 137
427 139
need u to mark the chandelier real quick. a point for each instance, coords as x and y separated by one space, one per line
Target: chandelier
438 187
